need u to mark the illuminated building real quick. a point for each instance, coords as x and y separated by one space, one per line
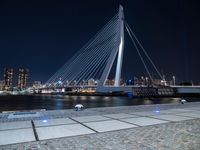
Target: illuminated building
22 78
37 84
109 82
8 78
91 82
1 85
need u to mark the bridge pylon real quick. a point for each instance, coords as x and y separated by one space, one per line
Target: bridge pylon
119 50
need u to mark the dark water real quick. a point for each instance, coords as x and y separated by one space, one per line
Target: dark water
55 102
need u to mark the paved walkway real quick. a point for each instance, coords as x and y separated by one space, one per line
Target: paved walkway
18 128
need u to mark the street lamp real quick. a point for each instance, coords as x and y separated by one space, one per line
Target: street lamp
146 79
174 80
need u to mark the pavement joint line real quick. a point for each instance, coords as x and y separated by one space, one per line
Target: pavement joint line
34 131
141 116
118 119
132 114
152 117
171 120
93 121
146 117
128 122
55 125
84 125
111 117
186 116
15 129
144 125
121 118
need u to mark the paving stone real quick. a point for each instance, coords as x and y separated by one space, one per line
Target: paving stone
51 132
144 121
50 122
15 125
90 118
172 117
16 136
190 114
121 115
147 113
109 125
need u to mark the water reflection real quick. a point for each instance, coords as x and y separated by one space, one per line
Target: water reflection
59 104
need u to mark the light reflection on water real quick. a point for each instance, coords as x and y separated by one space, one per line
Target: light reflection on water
55 102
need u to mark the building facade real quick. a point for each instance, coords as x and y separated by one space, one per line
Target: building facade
1 85
37 84
8 78
22 78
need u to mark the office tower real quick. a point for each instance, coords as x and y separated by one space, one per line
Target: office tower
22 78
8 78
1 85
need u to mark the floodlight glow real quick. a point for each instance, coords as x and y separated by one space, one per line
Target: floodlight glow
44 121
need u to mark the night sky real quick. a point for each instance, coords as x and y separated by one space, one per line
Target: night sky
43 35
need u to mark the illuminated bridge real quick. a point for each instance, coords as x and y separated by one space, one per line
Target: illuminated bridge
96 58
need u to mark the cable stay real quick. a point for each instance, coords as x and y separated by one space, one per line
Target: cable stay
134 39
137 49
96 58
90 61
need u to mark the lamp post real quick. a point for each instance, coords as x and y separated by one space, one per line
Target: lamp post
174 80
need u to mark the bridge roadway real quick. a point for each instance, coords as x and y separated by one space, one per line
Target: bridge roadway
187 89
70 86
132 89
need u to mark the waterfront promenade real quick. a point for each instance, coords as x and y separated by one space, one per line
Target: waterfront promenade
145 127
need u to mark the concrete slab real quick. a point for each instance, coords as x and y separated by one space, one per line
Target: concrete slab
172 117
120 116
51 122
147 113
144 121
109 125
90 118
15 125
190 114
51 132
16 136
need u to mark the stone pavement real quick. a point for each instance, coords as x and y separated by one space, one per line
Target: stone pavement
171 126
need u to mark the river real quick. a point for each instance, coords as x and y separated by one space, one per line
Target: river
57 102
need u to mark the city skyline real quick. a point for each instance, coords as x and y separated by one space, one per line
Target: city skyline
42 36
14 78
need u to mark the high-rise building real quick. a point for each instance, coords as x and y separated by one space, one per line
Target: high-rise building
8 78
22 78
1 85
